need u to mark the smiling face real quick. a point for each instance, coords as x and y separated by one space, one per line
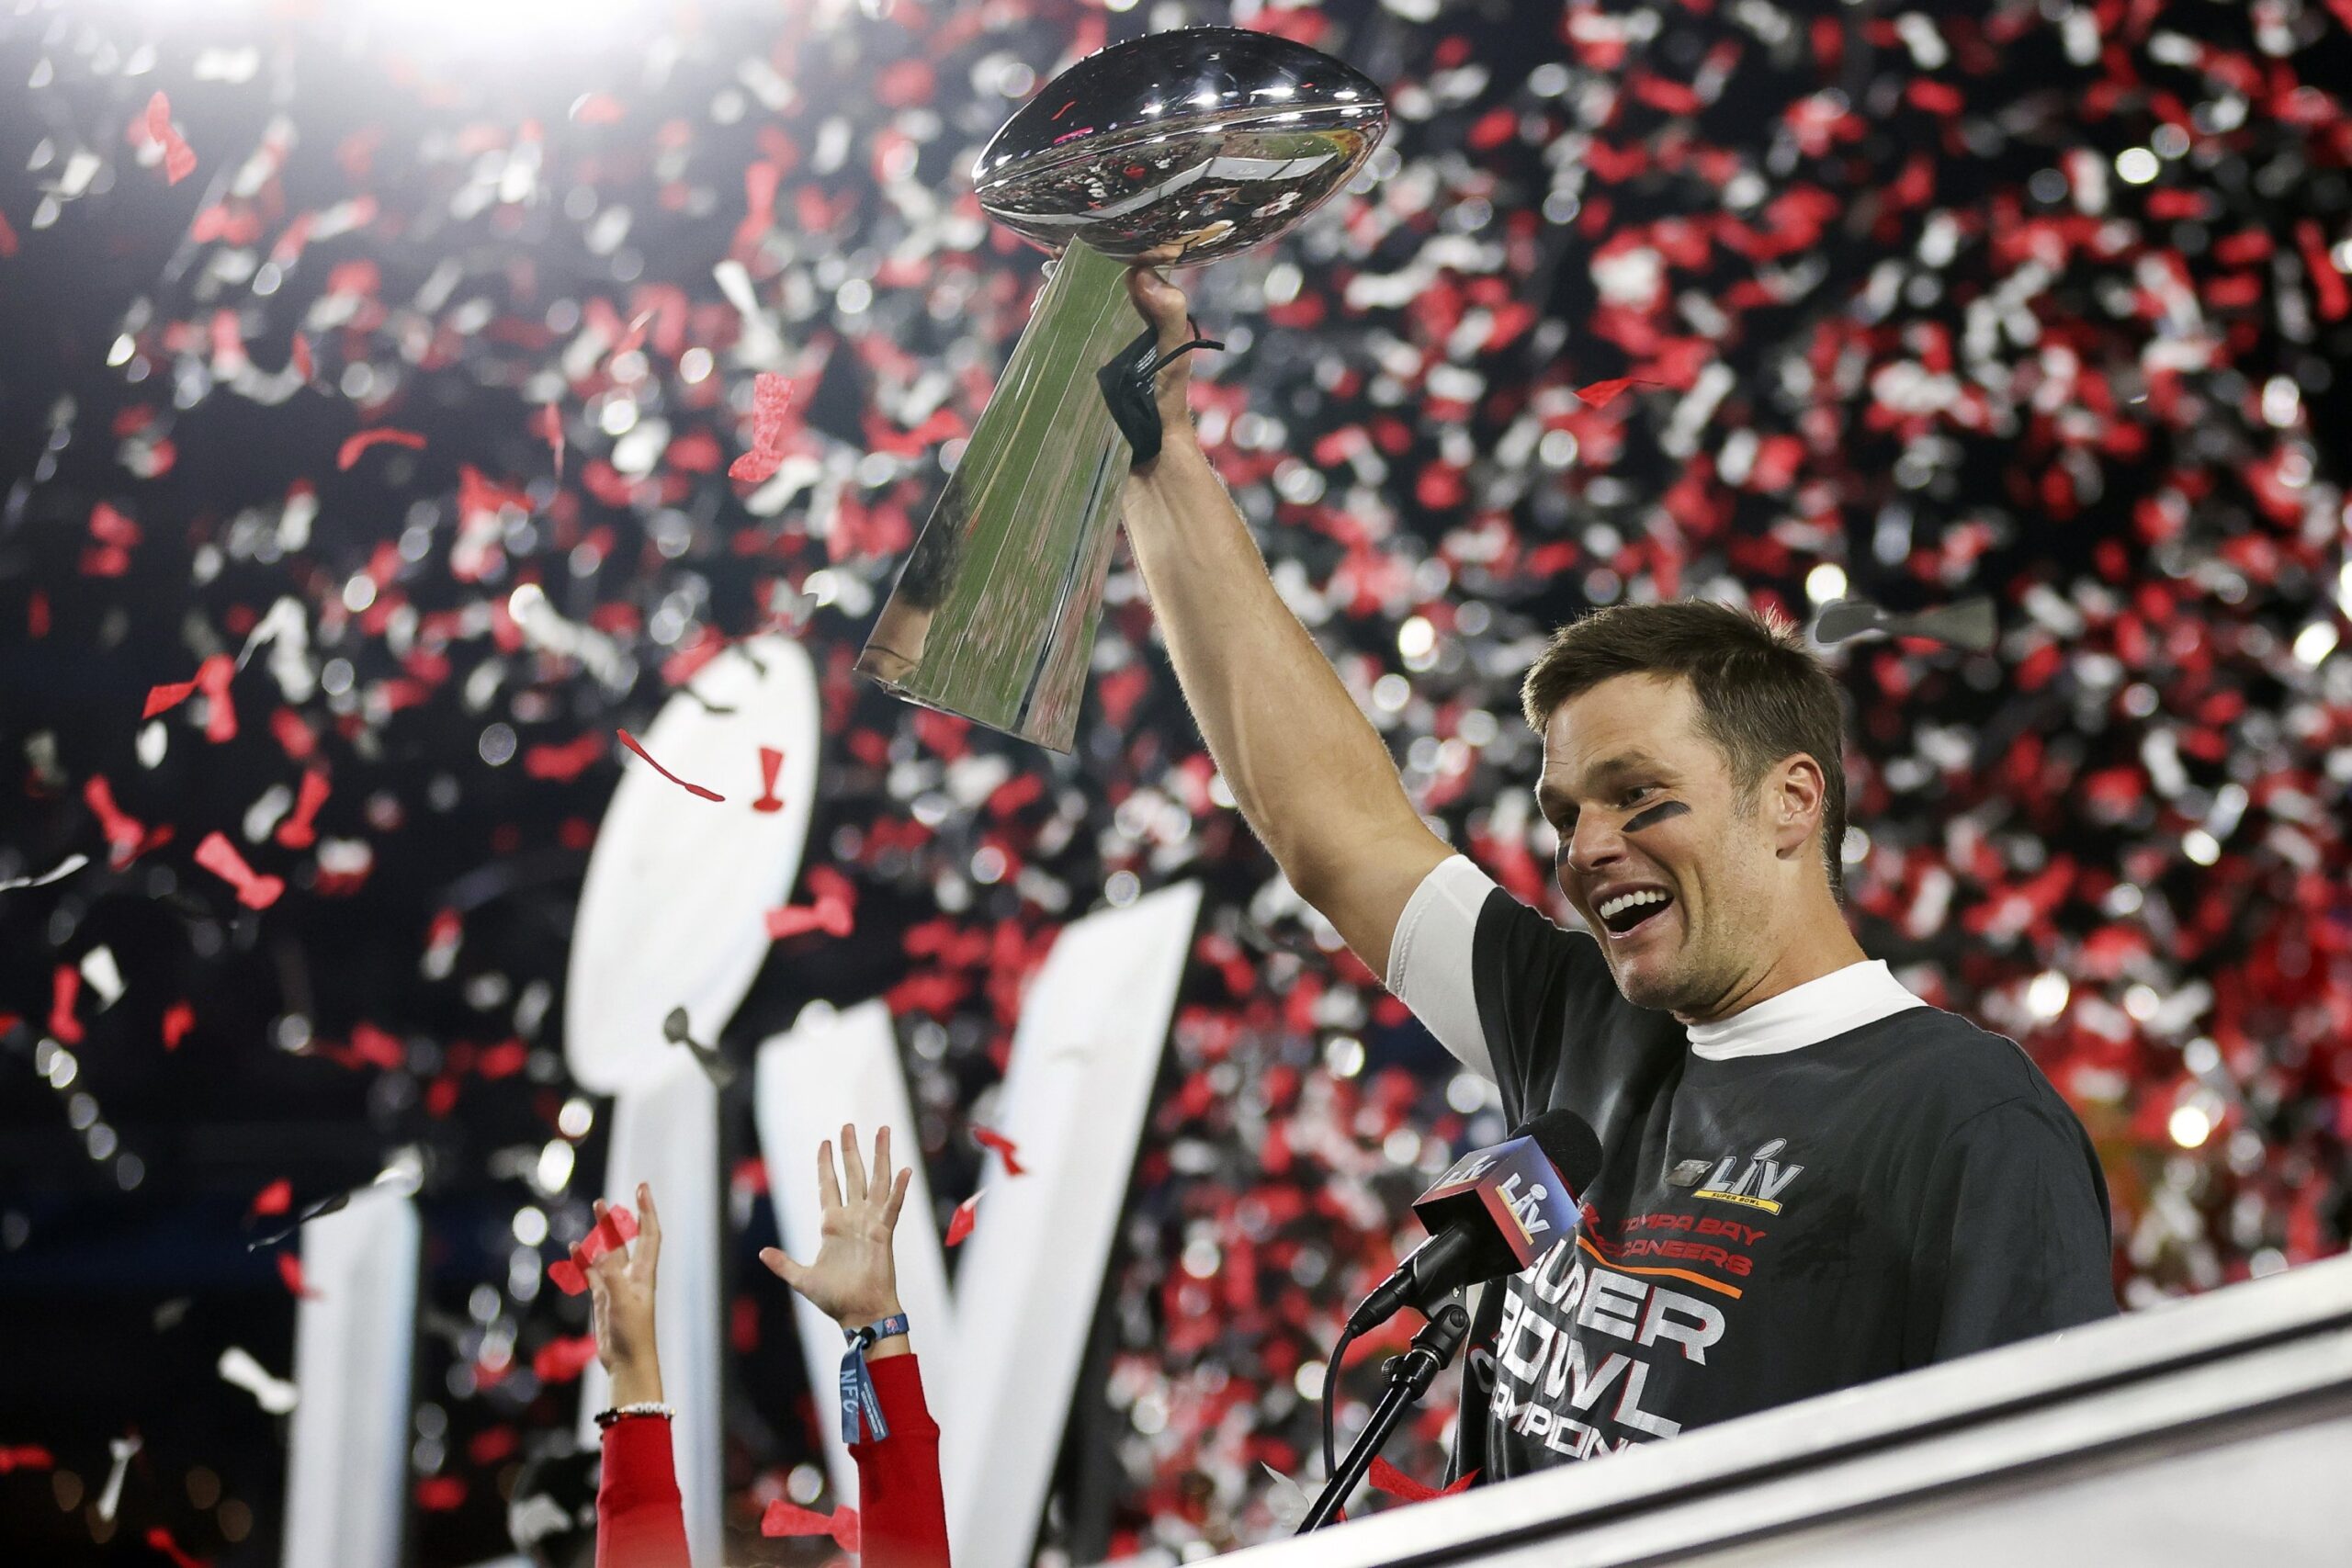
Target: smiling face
1644 801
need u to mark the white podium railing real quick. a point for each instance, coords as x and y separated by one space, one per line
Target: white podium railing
2216 1431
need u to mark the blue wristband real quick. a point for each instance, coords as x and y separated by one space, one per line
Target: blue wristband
858 1397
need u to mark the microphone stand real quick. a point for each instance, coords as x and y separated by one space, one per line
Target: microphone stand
1409 1376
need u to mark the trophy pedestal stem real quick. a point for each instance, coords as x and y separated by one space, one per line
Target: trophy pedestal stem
993 616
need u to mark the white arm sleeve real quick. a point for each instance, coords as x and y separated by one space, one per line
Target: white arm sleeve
1429 959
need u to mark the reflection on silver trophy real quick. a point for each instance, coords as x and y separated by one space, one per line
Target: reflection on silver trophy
1176 149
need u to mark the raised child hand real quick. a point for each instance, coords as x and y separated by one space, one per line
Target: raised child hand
854 1279
621 1288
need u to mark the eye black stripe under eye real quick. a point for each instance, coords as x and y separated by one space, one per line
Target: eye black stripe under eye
1654 815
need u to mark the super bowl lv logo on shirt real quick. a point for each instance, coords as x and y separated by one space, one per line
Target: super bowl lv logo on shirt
1601 1335
1759 1186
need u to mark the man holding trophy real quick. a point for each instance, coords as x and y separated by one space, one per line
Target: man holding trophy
1720 1028
1810 1178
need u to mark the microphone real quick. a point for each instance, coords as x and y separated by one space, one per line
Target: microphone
1495 1213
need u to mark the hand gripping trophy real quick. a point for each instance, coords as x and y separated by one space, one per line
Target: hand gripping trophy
1175 149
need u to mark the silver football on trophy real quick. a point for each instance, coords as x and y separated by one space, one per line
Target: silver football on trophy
1206 141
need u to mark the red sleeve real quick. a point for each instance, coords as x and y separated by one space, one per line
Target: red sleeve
902 1520
640 1521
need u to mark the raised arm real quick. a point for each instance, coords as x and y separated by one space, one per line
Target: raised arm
1312 777
854 1279
641 1522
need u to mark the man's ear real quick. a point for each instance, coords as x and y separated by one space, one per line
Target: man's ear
1795 795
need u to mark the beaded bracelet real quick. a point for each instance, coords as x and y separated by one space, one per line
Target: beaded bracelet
604 1418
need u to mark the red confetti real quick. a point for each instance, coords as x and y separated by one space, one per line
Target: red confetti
441 1493
289 1270
826 915
564 762
220 713
771 395
1601 394
2335 297
760 178
158 1537
294 738
548 426
615 1230
376 1047
26 1456
495 1443
1386 1477
771 764
634 339
785 1518
125 834
178 1018
297 832
990 1139
179 158
562 1359
630 741
611 1232
354 446
216 854
304 365
596 108
7 237
274 1198
212 678
65 988
959 1224
109 526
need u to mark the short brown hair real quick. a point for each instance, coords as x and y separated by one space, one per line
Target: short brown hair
1762 694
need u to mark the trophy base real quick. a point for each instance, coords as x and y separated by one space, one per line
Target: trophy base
900 634
885 666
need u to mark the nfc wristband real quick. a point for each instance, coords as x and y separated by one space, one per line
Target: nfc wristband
861 1405
879 1330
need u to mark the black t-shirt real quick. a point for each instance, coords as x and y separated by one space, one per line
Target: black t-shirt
1764 1227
